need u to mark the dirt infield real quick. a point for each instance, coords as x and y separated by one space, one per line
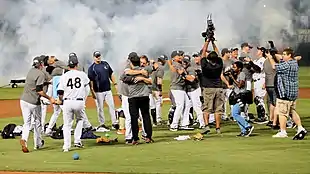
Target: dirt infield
11 108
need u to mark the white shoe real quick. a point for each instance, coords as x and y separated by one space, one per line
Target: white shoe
102 129
66 150
48 132
280 135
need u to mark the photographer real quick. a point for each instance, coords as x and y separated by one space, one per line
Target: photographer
286 88
237 99
213 94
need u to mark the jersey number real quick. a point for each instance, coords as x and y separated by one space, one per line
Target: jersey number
74 83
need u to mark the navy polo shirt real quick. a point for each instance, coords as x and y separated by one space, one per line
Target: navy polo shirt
100 74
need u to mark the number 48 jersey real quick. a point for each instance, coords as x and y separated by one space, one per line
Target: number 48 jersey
74 84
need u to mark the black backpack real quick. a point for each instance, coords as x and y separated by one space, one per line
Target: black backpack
7 131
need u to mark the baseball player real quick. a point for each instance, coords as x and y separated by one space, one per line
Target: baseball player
100 74
177 87
193 89
72 91
58 69
259 86
227 63
31 106
156 96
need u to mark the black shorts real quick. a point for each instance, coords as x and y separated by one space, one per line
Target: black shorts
271 99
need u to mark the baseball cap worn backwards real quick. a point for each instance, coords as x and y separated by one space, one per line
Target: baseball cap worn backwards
187 58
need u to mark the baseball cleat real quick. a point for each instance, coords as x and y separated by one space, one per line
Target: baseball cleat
300 135
39 146
65 150
79 145
24 146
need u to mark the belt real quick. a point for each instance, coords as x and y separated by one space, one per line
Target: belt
256 80
80 99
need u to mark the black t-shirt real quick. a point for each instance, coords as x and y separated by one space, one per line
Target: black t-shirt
211 73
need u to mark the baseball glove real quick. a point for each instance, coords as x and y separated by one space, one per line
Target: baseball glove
198 137
105 140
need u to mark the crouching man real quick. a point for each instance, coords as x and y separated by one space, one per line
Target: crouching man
237 99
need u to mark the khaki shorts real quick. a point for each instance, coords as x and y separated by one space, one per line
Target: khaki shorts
285 107
214 100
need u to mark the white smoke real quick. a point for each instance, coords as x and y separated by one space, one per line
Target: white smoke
117 27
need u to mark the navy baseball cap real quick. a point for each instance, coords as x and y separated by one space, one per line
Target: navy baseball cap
176 53
162 58
187 59
97 54
73 60
245 44
263 49
224 51
72 55
37 61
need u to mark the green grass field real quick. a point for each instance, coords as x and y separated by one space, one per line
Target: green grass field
217 154
259 153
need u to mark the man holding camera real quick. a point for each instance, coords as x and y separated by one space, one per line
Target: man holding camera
213 94
286 87
237 99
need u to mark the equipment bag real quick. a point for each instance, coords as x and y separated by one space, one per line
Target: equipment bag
8 131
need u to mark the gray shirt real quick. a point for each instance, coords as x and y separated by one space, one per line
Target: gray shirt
269 74
158 73
177 82
60 66
123 87
139 89
240 77
248 73
191 86
34 78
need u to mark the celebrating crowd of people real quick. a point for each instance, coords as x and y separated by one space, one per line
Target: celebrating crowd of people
201 86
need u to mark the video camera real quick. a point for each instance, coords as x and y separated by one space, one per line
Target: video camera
272 50
209 33
229 72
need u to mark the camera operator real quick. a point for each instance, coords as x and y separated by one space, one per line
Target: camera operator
138 99
286 87
177 87
193 89
237 99
213 94
259 85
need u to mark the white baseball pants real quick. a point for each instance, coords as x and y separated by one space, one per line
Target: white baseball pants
107 97
155 103
54 117
30 111
194 97
125 107
44 106
72 108
182 109
227 94
260 92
